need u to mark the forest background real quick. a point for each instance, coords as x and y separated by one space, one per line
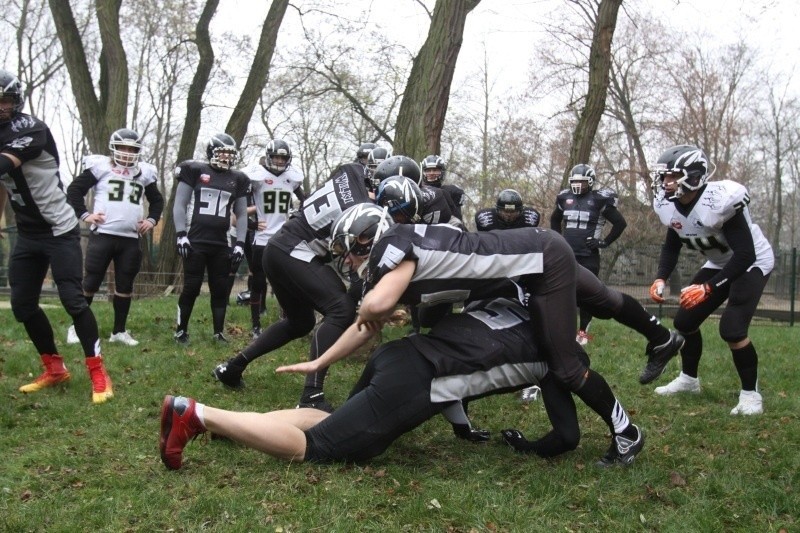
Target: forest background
542 85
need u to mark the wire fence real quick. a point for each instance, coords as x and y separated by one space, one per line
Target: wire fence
628 269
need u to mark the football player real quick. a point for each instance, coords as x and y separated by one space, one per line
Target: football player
215 191
410 204
295 261
434 264
404 383
48 238
120 183
580 215
363 153
713 218
434 170
508 213
272 185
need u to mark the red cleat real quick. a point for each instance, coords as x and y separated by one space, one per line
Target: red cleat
179 425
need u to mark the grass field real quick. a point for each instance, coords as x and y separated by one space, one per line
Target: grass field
68 465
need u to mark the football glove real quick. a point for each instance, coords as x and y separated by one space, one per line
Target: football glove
694 295
183 244
657 291
594 244
237 256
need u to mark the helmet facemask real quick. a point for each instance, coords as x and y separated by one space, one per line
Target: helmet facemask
344 243
125 147
688 166
223 157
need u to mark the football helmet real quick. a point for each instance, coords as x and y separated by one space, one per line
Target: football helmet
278 147
128 138
578 174
402 197
377 156
687 161
10 86
509 205
354 232
363 152
221 151
433 169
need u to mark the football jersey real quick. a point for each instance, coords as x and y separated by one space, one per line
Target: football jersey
487 219
457 196
272 196
35 188
214 193
118 193
701 229
305 234
489 346
453 266
434 208
583 216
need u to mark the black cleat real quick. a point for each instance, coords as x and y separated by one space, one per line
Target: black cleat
315 401
229 375
464 431
515 439
181 337
220 338
659 356
623 450
256 331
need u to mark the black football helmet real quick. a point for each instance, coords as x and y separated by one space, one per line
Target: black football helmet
433 169
10 86
377 156
402 197
363 152
354 232
221 151
687 161
581 173
128 138
509 205
398 165
280 148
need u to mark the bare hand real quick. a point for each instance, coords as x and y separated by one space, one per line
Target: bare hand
262 225
95 218
144 226
308 367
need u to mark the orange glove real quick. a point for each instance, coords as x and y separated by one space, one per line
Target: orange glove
657 291
694 295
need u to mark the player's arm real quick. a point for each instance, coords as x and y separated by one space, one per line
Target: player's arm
740 239
379 303
156 202
351 340
77 190
556 218
183 194
670 251
240 212
618 224
8 162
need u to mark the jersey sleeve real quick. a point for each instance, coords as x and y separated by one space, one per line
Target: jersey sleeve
387 254
26 139
186 173
736 200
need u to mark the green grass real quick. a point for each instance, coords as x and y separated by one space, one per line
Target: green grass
68 465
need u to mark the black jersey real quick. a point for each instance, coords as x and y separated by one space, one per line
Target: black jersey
452 265
583 216
489 346
457 196
35 189
435 208
487 219
309 226
215 192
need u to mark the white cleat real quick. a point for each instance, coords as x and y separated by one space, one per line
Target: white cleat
682 383
124 337
530 394
72 337
750 403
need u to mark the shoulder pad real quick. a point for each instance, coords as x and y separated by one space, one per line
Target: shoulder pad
726 197
606 193
96 161
293 174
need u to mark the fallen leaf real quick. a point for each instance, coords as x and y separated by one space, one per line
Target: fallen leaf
676 480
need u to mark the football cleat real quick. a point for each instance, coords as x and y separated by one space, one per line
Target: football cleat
72 336
529 394
220 338
682 383
659 356
54 373
466 432
256 331
623 451
582 337
102 388
124 337
179 425
750 403
229 375
181 337
315 401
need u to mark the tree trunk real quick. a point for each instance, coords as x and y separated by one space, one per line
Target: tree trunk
167 255
599 67
424 106
259 72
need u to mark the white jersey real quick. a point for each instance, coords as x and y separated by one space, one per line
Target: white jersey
273 198
702 229
119 194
